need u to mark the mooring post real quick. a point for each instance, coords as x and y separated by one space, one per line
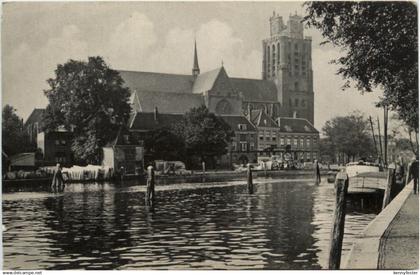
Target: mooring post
249 181
150 189
389 186
265 169
203 165
337 231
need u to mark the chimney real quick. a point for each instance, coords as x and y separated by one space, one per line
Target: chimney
156 114
249 112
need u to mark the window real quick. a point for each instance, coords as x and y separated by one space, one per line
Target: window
302 103
289 141
314 141
243 146
308 142
57 142
234 146
261 135
130 154
302 142
63 142
242 137
60 157
126 139
281 141
251 146
296 102
296 86
242 127
295 141
267 135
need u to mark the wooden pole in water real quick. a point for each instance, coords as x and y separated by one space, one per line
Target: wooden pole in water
150 189
203 165
337 232
265 168
388 189
249 181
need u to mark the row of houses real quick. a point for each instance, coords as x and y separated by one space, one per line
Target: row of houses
254 135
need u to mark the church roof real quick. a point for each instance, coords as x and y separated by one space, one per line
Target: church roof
261 119
255 90
157 82
146 121
296 125
205 81
176 103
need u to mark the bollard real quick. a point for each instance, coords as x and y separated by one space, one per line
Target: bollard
389 186
337 231
203 165
150 189
265 169
249 181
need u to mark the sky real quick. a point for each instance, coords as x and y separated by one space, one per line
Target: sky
156 37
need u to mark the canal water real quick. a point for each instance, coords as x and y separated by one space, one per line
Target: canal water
285 225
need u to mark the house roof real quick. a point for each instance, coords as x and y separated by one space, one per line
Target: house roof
146 121
205 81
36 116
261 119
234 121
255 90
157 82
296 125
176 103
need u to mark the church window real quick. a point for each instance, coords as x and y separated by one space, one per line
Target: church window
223 107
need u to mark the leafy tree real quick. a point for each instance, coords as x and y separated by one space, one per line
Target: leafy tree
15 139
205 134
349 135
89 99
379 40
164 144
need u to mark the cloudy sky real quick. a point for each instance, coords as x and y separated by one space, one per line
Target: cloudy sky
157 37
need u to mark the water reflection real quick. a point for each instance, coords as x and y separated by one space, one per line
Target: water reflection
284 225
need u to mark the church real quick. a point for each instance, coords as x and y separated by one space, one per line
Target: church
284 97
273 115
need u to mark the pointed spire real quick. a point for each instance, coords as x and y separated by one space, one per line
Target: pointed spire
196 68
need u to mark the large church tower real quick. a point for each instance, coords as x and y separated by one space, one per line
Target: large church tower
287 61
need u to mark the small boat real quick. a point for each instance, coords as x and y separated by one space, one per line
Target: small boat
355 168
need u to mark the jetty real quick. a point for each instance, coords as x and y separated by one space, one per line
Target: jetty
391 240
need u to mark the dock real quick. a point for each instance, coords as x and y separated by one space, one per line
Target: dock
391 240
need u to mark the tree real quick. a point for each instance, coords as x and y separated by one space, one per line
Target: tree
349 135
164 144
205 135
15 139
379 40
89 99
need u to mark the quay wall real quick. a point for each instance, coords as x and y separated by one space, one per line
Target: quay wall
366 249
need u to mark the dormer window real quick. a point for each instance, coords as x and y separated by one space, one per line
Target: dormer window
242 127
126 139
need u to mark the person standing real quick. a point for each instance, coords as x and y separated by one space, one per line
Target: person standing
318 172
414 173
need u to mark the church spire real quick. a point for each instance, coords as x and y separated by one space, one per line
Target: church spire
196 68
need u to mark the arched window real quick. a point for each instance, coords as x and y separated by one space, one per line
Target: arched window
223 107
278 53
268 60
273 64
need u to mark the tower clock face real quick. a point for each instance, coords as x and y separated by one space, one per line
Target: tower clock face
223 107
